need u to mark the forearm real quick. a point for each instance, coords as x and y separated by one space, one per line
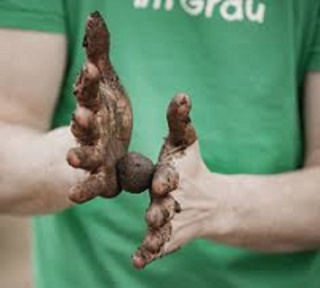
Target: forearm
35 177
275 213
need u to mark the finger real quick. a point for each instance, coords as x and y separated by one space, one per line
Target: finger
86 88
141 258
152 247
83 117
112 186
83 126
181 131
161 211
88 189
165 180
85 157
97 40
155 239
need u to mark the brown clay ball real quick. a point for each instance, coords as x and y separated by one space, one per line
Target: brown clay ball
135 172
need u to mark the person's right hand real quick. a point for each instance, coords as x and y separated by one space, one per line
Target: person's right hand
102 125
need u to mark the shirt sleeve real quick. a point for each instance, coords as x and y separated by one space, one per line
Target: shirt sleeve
314 55
39 15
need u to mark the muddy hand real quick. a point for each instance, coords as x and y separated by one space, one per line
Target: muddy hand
164 207
102 125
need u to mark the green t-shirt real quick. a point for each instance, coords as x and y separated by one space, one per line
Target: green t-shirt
243 63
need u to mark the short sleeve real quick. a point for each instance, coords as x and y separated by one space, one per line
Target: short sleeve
314 54
39 15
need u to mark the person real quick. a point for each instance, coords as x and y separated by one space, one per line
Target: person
251 69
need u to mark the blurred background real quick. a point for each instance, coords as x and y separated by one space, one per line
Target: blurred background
15 252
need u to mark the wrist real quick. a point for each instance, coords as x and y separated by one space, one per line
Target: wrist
55 174
221 211
44 175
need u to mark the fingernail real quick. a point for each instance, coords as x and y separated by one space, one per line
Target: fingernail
73 159
138 262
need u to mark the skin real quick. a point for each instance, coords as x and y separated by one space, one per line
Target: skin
163 206
191 202
266 213
27 107
24 119
102 124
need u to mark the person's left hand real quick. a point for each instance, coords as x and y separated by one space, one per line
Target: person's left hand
176 212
